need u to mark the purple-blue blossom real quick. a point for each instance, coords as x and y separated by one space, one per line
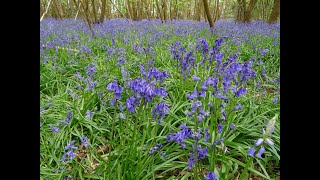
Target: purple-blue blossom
84 141
211 176
251 152
260 152
159 111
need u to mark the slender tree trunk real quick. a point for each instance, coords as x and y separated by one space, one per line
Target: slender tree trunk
158 10
241 9
275 12
164 9
248 13
94 11
207 10
103 10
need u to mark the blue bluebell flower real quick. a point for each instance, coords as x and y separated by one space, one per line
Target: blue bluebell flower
220 128
232 126
54 129
238 107
260 152
251 152
211 176
84 141
194 78
206 135
160 110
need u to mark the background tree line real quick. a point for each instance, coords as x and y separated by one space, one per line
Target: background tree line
95 11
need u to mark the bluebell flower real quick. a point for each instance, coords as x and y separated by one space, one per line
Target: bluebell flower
131 102
206 135
264 52
194 78
113 86
240 91
238 107
84 141
232 126
120 61
163 155
204 46
202 93
211 176
70 146
88 114
220 128
180 136
155 148
54 129
68 118
269 142
90 84
260 152
258 142
220 96
122 116
193 95
201 153
251 152
195 105
275 100
188 113
202 112
90 70
160 110
218 57
161 92
71 154
69 177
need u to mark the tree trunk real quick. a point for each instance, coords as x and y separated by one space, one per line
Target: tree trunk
103 10
275 12
158 10
248 12
164 9
206 8
94 11
241 9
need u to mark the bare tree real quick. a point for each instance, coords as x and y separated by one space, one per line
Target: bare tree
275 11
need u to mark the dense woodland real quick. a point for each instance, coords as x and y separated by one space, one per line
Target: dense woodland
95 11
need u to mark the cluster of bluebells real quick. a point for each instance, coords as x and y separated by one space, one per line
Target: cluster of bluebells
211 176
153 74
197 155
180 136
84 141
117 89
89 81
185 60
146 89
69 155
155 148
159 111
65 122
